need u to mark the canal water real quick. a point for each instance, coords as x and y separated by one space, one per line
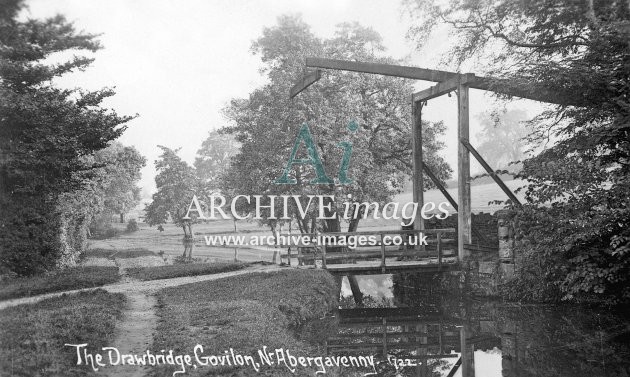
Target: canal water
415 329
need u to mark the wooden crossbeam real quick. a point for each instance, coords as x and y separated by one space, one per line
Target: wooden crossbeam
443 87
494 175
483 83
381 69
440 187
306 81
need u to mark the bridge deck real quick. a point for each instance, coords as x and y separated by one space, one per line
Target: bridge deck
376 267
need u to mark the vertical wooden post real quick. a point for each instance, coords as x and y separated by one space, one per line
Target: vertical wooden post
289 256
439 250
384 338
324 256
464 219
418 168
382 254
467 352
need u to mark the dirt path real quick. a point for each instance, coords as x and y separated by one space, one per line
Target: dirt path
135 331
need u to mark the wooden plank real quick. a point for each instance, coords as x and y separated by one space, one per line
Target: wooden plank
391 345
440 187
306 81
376 269
443 87
380 69
483 83
458 363
464 214
375 254
377 233
450 199
393 334
494 175
417 163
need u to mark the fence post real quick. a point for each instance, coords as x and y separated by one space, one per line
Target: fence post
382 254
289 256
439 250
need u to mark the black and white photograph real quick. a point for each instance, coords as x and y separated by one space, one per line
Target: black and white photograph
426 188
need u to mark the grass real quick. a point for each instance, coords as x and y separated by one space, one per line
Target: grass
109 253
184 269
33 336
245 313
58 280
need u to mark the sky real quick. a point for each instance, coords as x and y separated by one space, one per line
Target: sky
178 63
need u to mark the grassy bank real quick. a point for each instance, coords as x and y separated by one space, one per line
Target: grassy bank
59 280
125 253
33 336
185 269
244 313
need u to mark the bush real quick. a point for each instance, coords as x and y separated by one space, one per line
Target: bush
29 237
132 226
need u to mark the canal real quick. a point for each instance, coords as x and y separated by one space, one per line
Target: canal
413 328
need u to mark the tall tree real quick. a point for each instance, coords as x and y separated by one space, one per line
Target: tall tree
370 112
45 134
503 137
213 158
123 165
576 224
176 184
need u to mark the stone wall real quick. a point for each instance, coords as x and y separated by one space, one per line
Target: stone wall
484 227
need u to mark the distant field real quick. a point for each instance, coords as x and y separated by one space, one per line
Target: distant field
480 195
169 246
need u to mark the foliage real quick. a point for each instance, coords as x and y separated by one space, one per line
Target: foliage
122 166
213 159
176 184
266 123
502 137
576 222
111 188
46 136
33 336
132 226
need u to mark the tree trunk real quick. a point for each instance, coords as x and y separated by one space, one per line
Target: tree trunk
122 218
191 234
185 233
356 290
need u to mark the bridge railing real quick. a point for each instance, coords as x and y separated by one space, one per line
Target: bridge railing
386 329
335 246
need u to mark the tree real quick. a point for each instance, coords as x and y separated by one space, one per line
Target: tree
46 133
502 138
176 184
370 112
213 158
576 223
212 165
123 165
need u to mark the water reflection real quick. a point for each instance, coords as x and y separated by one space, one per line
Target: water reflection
410 317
